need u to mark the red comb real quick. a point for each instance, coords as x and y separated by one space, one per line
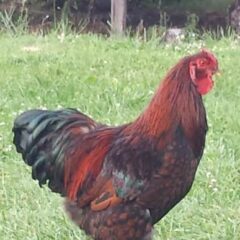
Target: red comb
210 55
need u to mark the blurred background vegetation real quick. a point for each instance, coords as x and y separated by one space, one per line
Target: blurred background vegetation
94 15
177 5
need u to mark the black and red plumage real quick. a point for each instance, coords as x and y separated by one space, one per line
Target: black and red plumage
119 181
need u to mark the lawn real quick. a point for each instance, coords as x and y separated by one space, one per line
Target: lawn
112 80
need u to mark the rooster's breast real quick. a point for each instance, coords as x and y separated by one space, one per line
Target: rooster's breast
171 181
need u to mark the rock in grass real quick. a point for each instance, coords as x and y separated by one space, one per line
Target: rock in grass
174 35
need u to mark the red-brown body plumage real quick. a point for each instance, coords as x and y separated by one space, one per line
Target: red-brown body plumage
120 181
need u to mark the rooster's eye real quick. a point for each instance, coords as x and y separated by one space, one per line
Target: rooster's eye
202 62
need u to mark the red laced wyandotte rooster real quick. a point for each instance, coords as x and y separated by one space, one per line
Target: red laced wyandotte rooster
119 181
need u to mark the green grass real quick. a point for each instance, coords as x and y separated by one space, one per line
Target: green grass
112 80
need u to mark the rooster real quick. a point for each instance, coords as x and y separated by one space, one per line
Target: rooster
119 181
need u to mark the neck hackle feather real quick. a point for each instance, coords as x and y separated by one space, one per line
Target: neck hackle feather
175 104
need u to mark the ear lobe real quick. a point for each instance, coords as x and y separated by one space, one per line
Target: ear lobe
192 71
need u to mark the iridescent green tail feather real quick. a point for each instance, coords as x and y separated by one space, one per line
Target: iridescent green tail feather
43 138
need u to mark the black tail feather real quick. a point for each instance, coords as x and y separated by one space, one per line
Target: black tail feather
43 137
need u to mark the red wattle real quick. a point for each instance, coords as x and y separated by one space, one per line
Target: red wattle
205 85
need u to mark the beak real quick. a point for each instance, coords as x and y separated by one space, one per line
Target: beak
218 73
